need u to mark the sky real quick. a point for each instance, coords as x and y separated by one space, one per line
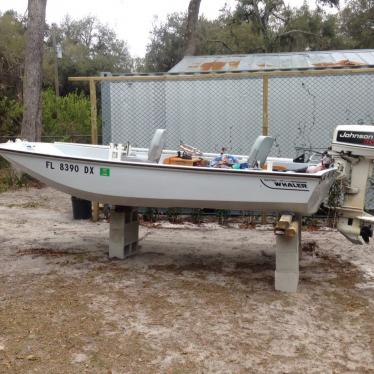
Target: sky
131 19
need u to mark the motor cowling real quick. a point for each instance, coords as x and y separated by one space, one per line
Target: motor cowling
354 140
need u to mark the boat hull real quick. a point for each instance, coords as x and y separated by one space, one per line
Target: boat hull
155 185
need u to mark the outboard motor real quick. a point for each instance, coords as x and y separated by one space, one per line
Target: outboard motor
353 152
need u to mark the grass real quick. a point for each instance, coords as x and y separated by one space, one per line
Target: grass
10 180
29 205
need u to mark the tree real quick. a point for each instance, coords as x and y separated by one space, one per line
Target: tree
32 113
264 15
357 23
89 47
284 29
12 44
166 47
306 29
192 19
138 65
330 3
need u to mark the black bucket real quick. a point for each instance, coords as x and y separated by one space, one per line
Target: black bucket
81 208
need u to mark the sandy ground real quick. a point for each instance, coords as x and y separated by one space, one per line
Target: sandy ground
194 300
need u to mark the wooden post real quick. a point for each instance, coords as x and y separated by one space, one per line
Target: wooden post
94 139
263 218
265 105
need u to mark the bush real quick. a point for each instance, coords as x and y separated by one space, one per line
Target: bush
9 179
10 118
66 118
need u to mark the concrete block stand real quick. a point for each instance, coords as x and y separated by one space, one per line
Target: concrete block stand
288 251
123 232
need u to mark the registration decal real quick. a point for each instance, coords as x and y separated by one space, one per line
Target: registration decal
105 172
285 184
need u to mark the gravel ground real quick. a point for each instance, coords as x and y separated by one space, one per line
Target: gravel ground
195 299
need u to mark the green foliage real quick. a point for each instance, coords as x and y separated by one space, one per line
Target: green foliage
264 16
196 216
334 201
335 195
12 44
138 65
223 216
89 47
12 41
306 29
66 117
150 215
230 36
221 36
10 117
9 179
173 214
167 43
264 26
357 23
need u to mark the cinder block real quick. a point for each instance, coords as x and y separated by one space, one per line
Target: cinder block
123 232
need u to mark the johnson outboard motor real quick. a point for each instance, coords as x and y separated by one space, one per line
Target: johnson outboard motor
352 150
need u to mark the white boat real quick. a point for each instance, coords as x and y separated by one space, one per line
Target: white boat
141 178
150 178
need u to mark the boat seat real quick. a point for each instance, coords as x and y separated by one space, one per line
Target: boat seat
116 152
260 151
157 145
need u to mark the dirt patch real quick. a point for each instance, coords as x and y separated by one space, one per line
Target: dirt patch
195 300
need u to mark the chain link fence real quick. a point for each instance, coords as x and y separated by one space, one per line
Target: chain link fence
304 111
210 111
207 113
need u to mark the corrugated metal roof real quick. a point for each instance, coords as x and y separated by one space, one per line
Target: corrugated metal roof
276 61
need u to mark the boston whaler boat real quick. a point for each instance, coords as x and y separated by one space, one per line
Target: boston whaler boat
155 178
132 177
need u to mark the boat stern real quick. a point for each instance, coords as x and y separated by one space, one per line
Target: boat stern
321 190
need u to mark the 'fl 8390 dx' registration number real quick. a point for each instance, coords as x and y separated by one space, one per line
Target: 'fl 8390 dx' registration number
71 168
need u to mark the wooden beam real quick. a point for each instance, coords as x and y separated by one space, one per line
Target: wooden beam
283 224
246 74
292 230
